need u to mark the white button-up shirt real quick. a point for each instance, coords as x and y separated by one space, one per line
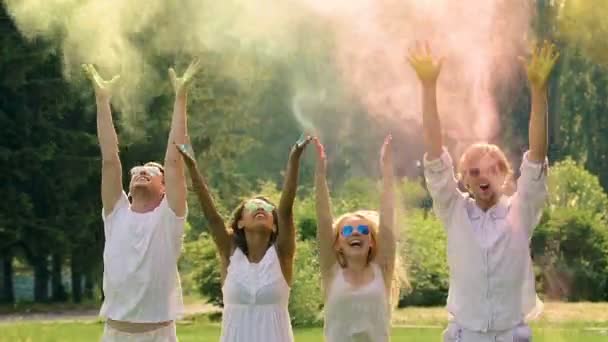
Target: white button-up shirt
491 276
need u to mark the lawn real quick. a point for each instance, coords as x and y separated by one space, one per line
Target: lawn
585 322
64 332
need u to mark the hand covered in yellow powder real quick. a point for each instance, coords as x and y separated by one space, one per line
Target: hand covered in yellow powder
427 68
540 65
181 84
103 88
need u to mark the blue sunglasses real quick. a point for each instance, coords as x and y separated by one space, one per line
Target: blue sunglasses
347 231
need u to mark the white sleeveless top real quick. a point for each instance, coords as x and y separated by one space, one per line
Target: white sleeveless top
357 314
256 298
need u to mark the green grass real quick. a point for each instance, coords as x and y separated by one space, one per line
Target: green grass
30 307
76 332
560 322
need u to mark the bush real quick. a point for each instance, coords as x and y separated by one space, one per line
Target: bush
412 194
571 186
306 218
570 249
424 253
356 194
306 298
200 269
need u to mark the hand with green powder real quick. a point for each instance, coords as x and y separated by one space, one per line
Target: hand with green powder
181 84
103 88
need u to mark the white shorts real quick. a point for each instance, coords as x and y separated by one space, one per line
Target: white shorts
456 333
163 334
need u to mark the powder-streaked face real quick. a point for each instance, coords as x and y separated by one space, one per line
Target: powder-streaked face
146 177
484 178
257 215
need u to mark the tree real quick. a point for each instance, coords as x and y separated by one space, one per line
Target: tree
571 186
571 249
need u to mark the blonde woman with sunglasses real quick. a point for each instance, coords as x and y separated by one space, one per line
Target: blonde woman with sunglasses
257 254
357 256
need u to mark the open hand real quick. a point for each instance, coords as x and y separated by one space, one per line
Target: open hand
301 143
103 88
187 154
541 64
181 84
427 67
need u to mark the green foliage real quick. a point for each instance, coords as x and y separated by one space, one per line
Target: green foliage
580 108
425 256
582 24
356 194
412 194
306 217
571 248
571 186
269 190
200 269
306 299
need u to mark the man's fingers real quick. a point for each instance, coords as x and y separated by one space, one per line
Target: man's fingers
192 69
195 65
412 61
440 62
87 72
114 79
555 58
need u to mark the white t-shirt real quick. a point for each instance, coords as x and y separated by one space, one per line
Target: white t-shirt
140 279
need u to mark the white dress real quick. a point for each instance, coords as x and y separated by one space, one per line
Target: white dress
256 298
359 314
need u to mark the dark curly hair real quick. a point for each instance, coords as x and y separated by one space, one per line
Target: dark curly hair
238 235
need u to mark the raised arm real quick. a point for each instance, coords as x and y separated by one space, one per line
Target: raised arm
111 169
175 180
539 69
286 238
387 236
217 227
529 199
427 69
438 167
325 236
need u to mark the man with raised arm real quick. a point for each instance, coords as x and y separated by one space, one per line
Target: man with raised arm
488 229
143 229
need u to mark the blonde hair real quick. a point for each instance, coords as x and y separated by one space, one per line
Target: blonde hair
478 151
373 219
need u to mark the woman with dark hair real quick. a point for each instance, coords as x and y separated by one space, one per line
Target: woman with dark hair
257 254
